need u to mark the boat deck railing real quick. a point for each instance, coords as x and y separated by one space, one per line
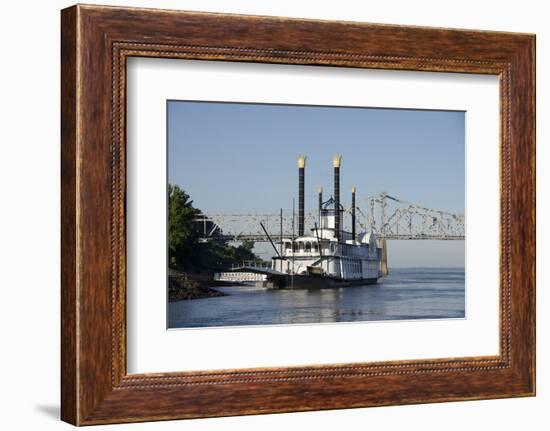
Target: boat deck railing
251 264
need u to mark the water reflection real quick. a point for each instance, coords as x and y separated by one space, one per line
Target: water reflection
420 293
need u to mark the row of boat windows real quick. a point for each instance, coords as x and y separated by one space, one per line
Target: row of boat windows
306 246
309 247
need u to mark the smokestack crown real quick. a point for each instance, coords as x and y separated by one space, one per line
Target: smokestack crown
353 189
336 161
302 161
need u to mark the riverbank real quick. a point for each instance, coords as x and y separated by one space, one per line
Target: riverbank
184 286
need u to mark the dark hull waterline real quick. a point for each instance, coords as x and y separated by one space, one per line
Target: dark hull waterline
319 282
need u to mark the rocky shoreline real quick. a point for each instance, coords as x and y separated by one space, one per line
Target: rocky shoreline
184 286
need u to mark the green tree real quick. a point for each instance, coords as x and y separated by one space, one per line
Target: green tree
248 245
185 252
182 232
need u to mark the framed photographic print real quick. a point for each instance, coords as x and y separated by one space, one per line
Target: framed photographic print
268 215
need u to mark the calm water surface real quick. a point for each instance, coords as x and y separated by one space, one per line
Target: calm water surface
419 293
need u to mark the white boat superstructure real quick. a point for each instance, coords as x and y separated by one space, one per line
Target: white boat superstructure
328 255
324 254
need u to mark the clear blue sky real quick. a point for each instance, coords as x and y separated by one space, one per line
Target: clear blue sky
236 158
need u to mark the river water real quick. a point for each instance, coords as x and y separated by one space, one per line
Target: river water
418 293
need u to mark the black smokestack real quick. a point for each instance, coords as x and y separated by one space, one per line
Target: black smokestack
301 185
320 201
353 190
336 161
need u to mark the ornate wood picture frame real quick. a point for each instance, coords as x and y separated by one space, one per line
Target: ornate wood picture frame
96 41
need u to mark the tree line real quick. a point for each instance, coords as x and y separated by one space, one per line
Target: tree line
185 251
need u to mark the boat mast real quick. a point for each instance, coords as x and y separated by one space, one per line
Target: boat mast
320 190
353 190
270 240
281 236
292 273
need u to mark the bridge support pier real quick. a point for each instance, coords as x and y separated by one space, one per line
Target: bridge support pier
384 258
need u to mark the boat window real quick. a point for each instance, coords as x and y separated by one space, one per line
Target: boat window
308 247
294 246
315 247
301 246
287 246
332 248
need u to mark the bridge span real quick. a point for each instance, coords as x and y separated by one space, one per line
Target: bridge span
389 217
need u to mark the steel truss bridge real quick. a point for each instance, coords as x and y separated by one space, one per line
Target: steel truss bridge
389 217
